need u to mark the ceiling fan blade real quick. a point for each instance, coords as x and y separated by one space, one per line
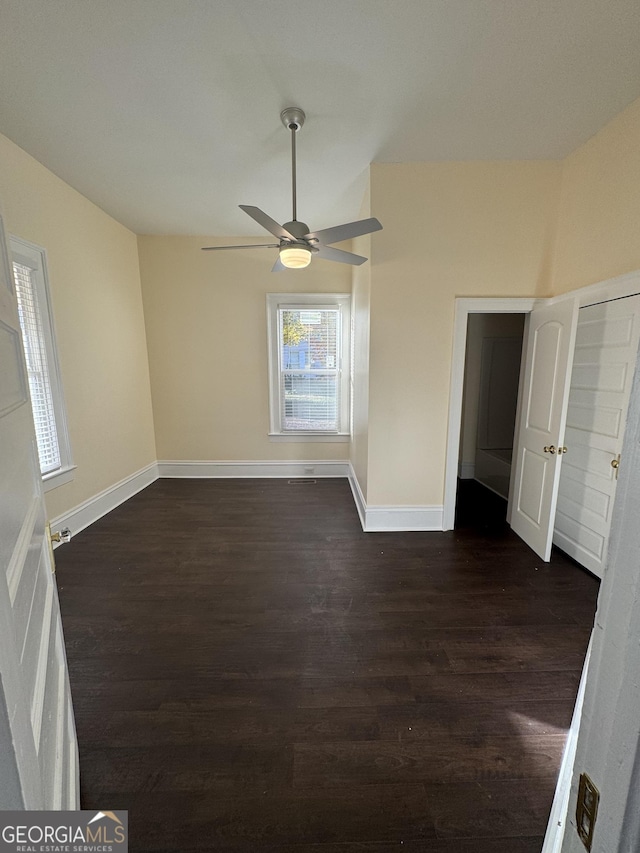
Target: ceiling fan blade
331 254
278 266
345 232
267 222
250 246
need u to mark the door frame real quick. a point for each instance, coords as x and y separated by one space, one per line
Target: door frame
465 307
608 743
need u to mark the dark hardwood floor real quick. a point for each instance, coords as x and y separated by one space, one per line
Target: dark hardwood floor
251 672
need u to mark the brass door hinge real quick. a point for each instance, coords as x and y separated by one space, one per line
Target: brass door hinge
63 535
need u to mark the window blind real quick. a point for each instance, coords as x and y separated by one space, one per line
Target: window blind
37 369
309 355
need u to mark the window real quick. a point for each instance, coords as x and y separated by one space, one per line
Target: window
30 277
309 365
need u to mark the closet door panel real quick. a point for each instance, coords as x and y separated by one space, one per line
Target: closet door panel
604 361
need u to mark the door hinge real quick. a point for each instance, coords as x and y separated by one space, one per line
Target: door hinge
63 535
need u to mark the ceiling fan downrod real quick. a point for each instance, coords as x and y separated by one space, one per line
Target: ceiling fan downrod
296 243
293 119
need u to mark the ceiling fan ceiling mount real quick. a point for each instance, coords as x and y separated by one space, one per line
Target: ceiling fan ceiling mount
296 244
292 118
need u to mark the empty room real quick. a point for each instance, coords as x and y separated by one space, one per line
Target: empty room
320 426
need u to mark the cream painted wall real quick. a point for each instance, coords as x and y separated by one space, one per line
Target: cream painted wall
205 315
360 369
97 306
599 219
450 229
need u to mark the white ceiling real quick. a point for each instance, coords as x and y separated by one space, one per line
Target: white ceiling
166 112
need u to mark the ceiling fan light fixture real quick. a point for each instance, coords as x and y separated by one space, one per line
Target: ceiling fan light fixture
295 257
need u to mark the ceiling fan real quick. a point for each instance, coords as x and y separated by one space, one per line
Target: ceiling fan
296 243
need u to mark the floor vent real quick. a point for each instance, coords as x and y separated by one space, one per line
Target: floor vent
302 481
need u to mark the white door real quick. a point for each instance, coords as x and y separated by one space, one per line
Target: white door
603 366
543 407
38 748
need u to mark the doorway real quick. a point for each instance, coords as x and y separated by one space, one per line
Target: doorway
475 321
546 369
489 404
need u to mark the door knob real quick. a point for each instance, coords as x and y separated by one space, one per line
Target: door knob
549 448
615 464
561 450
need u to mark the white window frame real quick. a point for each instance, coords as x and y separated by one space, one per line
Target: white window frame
35 257
308 301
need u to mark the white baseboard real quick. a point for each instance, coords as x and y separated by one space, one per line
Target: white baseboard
91 510
312 468
466 470
372 518
358 497
559 816
404 518
377 519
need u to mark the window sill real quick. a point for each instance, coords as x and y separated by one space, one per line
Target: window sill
318 437
58 478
